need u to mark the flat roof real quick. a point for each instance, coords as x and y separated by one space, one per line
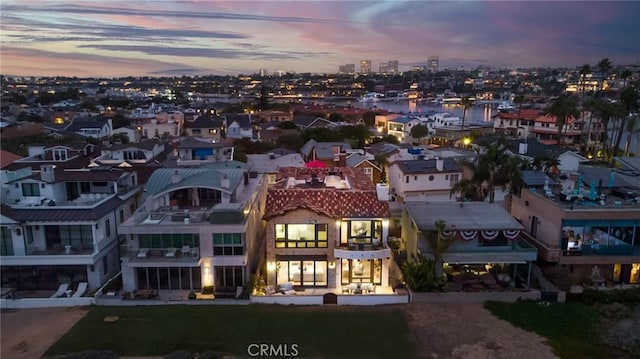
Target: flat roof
461 216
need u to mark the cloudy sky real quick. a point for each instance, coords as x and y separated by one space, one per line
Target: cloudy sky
157 38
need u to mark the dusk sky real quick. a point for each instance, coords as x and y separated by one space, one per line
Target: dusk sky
158 38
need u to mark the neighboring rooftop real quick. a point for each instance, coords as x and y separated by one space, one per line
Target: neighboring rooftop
462 216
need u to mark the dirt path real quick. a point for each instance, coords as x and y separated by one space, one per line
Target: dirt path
468 331
28 333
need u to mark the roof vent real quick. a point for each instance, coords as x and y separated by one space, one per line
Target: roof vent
176 177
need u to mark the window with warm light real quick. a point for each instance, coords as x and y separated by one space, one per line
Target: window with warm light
301 235
59 121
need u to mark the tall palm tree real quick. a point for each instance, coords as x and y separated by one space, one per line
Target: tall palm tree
519 100
562 109
628 105
633 127
584 71
625 75
466 104
605 111
605 67
439 244
383 161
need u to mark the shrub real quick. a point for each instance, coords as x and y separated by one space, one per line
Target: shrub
180 354
625 296
420 275
207 289
192 295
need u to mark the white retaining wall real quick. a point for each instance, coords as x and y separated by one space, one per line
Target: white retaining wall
287 299
372 299
44 302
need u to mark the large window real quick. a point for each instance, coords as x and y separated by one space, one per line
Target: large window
227 244
30 189
227 279
361 271
175 240
301 235
311 273
59 155
76 236
364 232
6 247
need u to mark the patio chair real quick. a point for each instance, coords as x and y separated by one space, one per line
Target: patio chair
143 253
171 252
186 251
62 289
82 288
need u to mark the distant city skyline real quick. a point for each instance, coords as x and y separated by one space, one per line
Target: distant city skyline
168 38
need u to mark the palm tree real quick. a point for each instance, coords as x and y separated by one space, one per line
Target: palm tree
546 162
519 100
605 66
584 71
466 104
467 189
562 108
633 127
606 112
494 167
625 75
628 105
383 161
439 244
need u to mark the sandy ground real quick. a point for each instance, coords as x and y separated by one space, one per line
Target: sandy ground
468 331
28 333
460 331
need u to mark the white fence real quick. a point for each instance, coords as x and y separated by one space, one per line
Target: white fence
23 303
375 299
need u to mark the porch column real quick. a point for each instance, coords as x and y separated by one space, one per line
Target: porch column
513 277
529 276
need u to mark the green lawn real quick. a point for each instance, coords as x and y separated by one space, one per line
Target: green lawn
571 329
328 332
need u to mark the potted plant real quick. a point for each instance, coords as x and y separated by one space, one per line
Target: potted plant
192 295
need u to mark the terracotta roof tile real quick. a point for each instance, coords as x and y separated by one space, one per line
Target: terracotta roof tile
360 200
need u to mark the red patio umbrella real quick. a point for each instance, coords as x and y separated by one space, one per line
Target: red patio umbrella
315 164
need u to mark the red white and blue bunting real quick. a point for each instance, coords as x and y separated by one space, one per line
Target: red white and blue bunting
490 234
468 235
448 233
511 233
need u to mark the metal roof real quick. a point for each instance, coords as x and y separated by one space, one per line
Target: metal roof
461 216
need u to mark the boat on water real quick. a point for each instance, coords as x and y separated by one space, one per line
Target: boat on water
506 106
393 95
371 97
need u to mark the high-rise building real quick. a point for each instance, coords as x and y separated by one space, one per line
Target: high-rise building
393 66
347 69
390 67
433 63
365 66
263 72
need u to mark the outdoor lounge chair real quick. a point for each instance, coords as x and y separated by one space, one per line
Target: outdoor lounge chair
82 287
62 289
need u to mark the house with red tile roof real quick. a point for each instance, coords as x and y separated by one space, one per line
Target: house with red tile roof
327 229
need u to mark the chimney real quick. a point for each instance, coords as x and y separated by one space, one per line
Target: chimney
523 148
439 164
225 182
175 177
47 174
342 159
